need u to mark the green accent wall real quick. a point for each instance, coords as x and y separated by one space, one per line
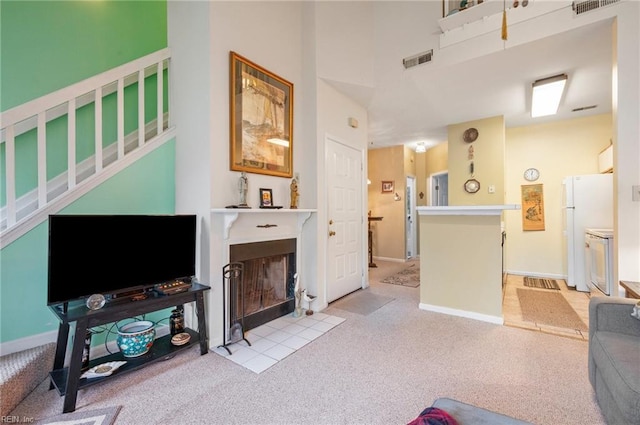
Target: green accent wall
48 45
23 271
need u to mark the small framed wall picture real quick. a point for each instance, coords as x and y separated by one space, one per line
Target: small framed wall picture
387 186
266 196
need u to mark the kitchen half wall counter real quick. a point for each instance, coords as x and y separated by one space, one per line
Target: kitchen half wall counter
461 260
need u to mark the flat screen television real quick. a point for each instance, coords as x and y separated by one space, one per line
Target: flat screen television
112 254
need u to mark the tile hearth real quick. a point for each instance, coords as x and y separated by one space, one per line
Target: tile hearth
277 339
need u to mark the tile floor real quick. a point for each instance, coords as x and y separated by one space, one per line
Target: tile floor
277 339
513 315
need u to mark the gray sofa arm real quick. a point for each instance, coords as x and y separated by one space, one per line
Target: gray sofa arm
613 314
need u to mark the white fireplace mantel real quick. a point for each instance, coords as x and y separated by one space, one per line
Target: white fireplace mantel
269 217
231 226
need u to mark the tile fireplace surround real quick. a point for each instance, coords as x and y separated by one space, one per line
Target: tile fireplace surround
240 226
277 339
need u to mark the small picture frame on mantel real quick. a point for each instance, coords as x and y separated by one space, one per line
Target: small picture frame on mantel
266 198
387 186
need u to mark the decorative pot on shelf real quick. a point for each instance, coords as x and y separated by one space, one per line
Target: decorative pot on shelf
135 339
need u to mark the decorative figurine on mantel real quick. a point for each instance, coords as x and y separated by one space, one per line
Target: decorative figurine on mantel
294 194
243 187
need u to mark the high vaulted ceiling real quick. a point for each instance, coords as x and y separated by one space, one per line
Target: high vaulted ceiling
420 108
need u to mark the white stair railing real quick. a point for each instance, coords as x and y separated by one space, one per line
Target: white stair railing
20 214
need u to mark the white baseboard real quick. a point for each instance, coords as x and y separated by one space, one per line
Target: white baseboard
97 351
393 260
27 342
462 313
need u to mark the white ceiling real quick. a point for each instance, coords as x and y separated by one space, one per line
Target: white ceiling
421 107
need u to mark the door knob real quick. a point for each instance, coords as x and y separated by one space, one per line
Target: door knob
332 233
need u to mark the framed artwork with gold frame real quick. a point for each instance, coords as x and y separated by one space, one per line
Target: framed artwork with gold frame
261 120
532 207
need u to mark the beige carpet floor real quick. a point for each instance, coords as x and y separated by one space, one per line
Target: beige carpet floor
549 308
381 368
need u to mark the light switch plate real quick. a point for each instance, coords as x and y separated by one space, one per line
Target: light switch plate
635 195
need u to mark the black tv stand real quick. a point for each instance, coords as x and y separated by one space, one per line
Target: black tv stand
67 379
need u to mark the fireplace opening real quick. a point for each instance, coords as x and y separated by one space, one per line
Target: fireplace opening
267 289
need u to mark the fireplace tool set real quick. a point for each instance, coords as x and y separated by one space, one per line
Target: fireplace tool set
232 279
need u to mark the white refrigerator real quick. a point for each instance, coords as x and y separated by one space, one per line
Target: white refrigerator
587 203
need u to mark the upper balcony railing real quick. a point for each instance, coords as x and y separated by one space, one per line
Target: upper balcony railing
463 24
105 126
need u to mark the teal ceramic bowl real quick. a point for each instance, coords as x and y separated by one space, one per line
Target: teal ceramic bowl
136 339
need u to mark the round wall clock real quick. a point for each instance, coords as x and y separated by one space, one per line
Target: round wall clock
531 174
472 186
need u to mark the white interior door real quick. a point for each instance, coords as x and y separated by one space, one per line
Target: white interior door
440 189
410 207
345 220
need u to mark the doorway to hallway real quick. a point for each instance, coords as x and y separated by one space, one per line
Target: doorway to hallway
439 186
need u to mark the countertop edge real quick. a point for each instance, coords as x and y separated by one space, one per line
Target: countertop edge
467 209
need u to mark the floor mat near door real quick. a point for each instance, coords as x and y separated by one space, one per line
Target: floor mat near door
409 276
361 302
548 308
535 282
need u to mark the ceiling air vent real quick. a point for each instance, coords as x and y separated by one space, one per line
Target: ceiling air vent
584 6
418 59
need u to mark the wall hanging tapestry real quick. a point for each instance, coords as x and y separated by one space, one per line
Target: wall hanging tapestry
532 207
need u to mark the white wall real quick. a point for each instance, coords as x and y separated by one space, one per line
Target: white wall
270 35
626 141
345 48
190 106
201 36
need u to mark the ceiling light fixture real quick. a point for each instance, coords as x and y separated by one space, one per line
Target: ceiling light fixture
546 96
421 148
